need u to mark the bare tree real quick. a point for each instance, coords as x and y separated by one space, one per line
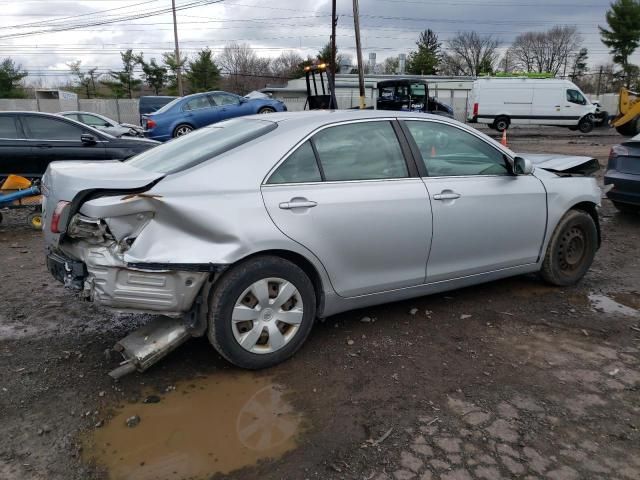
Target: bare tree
508 62
242 69
474 53
287 65
390 65
548 51
452 65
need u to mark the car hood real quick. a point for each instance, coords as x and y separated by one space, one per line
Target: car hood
566 164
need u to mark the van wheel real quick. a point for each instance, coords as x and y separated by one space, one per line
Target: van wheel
585 125
571 249
501 123
261 312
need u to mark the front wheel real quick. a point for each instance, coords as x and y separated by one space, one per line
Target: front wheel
261 312
182 130
571 249
585 125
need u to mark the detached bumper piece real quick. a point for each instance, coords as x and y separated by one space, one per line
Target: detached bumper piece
148 344
71 273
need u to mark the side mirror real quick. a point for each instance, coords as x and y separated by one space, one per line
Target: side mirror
522 166
243 100
88 139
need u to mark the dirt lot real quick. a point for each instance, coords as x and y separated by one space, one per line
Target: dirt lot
512 379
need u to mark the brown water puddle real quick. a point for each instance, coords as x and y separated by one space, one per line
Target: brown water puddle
214 424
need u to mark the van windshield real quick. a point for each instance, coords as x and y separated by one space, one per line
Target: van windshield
201 145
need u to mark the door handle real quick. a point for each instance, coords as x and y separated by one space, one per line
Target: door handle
446 196
297 204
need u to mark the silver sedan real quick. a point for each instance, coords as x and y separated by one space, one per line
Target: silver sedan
250 229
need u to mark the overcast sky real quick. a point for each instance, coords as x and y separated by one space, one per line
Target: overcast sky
388 27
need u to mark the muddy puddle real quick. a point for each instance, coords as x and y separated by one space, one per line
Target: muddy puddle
210 425
605 304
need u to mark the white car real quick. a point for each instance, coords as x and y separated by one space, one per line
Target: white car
105 124
501 102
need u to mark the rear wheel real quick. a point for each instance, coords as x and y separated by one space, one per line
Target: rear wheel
34 220
501 123
267 110
182 130
261 312
571 249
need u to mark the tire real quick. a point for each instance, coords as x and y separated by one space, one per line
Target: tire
501 123
34 220
630 129
626 208
267 110
181 130
234 292
571 250
585 125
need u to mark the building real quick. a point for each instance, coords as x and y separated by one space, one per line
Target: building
450 90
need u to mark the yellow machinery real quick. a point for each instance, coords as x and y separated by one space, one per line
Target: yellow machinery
628 120
20 192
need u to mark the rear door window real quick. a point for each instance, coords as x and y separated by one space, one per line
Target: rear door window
360 151
44 128
197 103
9 127
299 167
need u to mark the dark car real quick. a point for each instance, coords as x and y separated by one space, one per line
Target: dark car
29 141
152 103
408 95
623 174
185 114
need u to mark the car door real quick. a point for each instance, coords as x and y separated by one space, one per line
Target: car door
347 195
574 107
200 112
484 217
230 106
15 151
55 139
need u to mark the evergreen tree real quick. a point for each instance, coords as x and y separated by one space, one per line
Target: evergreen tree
579 67
10 77
169 61
425 60
623 35
202 72
124 82
154 75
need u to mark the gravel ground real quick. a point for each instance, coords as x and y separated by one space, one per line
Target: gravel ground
512 379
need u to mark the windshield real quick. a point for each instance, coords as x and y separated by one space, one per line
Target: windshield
168 105
201 145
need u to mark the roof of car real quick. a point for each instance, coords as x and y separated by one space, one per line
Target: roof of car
323 117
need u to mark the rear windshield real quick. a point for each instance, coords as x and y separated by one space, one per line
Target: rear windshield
200 145
167 106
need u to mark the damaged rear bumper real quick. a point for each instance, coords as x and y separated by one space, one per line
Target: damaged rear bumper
107 281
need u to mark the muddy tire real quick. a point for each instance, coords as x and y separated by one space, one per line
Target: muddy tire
261 312
571 250
501 123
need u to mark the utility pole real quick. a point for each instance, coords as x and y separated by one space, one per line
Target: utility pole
333 69
599 80
175 38
356 24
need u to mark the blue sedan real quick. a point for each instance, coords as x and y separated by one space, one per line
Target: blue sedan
185 114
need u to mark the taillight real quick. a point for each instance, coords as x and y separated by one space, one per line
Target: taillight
475 109
615 152
151 123
57 214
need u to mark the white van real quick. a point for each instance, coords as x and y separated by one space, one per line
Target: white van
500 102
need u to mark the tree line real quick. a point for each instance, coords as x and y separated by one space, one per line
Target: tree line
238 68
